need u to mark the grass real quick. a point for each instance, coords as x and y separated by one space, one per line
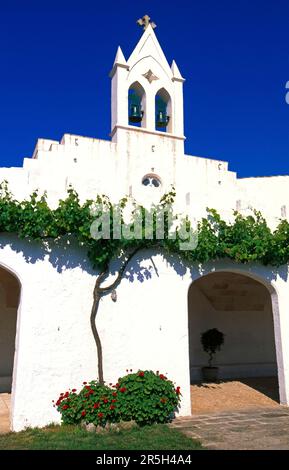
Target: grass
157 437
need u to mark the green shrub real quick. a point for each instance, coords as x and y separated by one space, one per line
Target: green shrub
146 397
94 403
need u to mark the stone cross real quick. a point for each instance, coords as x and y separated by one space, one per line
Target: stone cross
145 21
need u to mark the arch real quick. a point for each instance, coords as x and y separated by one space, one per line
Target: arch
256 328
10 299
136 105
163 111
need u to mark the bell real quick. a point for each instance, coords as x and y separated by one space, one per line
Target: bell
162 119
135 113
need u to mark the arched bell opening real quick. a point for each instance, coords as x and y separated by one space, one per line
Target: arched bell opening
136 105
163 118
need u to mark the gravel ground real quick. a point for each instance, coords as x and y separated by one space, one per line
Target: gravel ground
231 395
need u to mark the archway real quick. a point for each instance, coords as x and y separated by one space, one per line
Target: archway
9 301
163 111
243 309
136 105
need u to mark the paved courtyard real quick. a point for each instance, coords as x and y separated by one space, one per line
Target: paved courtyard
237 414
4 412
261 429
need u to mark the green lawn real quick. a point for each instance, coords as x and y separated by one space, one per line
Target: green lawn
157 437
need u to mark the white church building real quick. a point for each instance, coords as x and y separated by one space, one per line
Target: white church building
161 309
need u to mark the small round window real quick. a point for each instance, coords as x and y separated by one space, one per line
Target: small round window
151 180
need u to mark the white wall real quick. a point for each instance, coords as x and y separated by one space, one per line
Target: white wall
54 345
146 328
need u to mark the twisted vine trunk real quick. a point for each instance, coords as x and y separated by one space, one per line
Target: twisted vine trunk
98 292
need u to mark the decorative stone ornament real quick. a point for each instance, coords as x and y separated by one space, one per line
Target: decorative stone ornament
150 76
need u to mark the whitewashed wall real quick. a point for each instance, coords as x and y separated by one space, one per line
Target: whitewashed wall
146 328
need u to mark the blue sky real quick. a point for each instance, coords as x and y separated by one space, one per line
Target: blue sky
55 57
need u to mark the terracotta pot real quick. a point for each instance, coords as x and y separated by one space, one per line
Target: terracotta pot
210 374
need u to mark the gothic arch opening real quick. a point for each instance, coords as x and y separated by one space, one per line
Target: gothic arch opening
163 111
136 105
246 311
9 302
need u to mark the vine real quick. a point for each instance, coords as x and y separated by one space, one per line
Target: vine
246 239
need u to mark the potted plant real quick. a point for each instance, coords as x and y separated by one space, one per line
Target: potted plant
211 340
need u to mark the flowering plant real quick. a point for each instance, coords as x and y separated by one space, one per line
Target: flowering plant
94 403
145 397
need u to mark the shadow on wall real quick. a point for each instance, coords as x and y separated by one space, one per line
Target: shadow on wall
65 253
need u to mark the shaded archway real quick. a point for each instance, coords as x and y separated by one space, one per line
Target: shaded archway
9 303
245 310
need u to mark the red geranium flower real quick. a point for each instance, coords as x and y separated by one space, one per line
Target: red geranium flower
163 377
65 407
113 401
114 394
112 407
122 389
117 385
74 390
96 405
105 400
178 390
141 374
100 415
84 383
83 413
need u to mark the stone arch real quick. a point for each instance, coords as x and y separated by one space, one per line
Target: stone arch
163 111
137 105
266 287
10 300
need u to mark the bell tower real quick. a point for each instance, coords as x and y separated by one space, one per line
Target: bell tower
147 93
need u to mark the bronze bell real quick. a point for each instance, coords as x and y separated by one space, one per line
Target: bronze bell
135 113
162 119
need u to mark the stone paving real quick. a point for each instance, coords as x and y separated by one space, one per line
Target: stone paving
258 429
4 412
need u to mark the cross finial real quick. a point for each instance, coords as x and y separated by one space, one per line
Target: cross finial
145 21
